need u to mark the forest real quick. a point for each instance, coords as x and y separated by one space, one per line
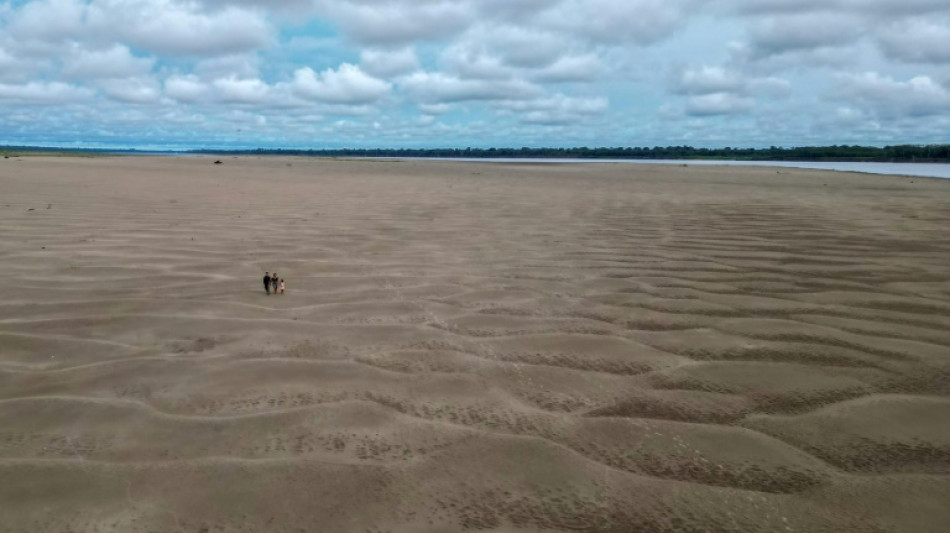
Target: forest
900 153
933 153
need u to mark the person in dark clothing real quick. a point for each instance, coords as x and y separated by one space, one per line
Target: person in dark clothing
267 279
273 282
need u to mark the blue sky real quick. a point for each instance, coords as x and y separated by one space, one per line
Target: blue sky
171 74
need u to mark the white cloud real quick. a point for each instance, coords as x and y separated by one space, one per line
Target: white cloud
48 20
174 27
15 68
43 92
706 80
715 90
474 62
876 7
247 91
718 104
239 66
435 109
840 57
887 97
436 87
116 61
180 28
186 88
520 46
138 90
794 32
768 70
296 8
520 11
788 33
770 86
386 22
917 40
617 21
347 85
386 63
582 68
7 61
558 109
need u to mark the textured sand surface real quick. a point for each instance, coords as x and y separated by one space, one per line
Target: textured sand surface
467 346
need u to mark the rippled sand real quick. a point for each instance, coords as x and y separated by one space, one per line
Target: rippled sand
462 346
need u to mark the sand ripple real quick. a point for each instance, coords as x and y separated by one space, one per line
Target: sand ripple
471 346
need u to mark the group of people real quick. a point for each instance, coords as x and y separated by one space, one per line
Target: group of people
273 281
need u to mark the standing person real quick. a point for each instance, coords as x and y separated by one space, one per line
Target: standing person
267 279
282 285
274 280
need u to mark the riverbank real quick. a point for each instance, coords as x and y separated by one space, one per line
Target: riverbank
506 347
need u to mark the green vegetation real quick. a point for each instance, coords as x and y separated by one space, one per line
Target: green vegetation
32 151
903 153
934 153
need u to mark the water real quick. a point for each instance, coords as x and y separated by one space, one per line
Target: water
926 170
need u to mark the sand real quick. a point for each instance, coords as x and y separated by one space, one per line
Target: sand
470 346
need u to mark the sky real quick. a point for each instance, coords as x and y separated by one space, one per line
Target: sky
179 74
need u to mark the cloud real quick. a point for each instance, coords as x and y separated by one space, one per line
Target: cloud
524 71
707 80
434 87
401 22
581 68
44 92
520 46
48 20
718 91
795 32
435 109
618 21
718 104
186 88
558 109
874 7
297 8
520 11
347 85
470 61
138 90
116 61
386 63
173 27
14 67
842 57
772 86
387 22
884 96
246 91
917 40
234 65
180 28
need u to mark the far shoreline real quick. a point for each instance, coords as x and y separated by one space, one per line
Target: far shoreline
908 169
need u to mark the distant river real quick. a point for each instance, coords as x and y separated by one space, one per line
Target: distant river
928 170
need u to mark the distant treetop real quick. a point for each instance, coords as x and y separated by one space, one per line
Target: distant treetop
901 153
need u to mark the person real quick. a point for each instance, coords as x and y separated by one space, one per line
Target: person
282 286
274 280
267 279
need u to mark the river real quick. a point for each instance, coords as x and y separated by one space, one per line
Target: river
927 170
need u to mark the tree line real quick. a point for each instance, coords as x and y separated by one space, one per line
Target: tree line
932 153
899 153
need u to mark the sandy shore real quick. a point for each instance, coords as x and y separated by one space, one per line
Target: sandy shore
498 347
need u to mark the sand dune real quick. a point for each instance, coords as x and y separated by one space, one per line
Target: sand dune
497 347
